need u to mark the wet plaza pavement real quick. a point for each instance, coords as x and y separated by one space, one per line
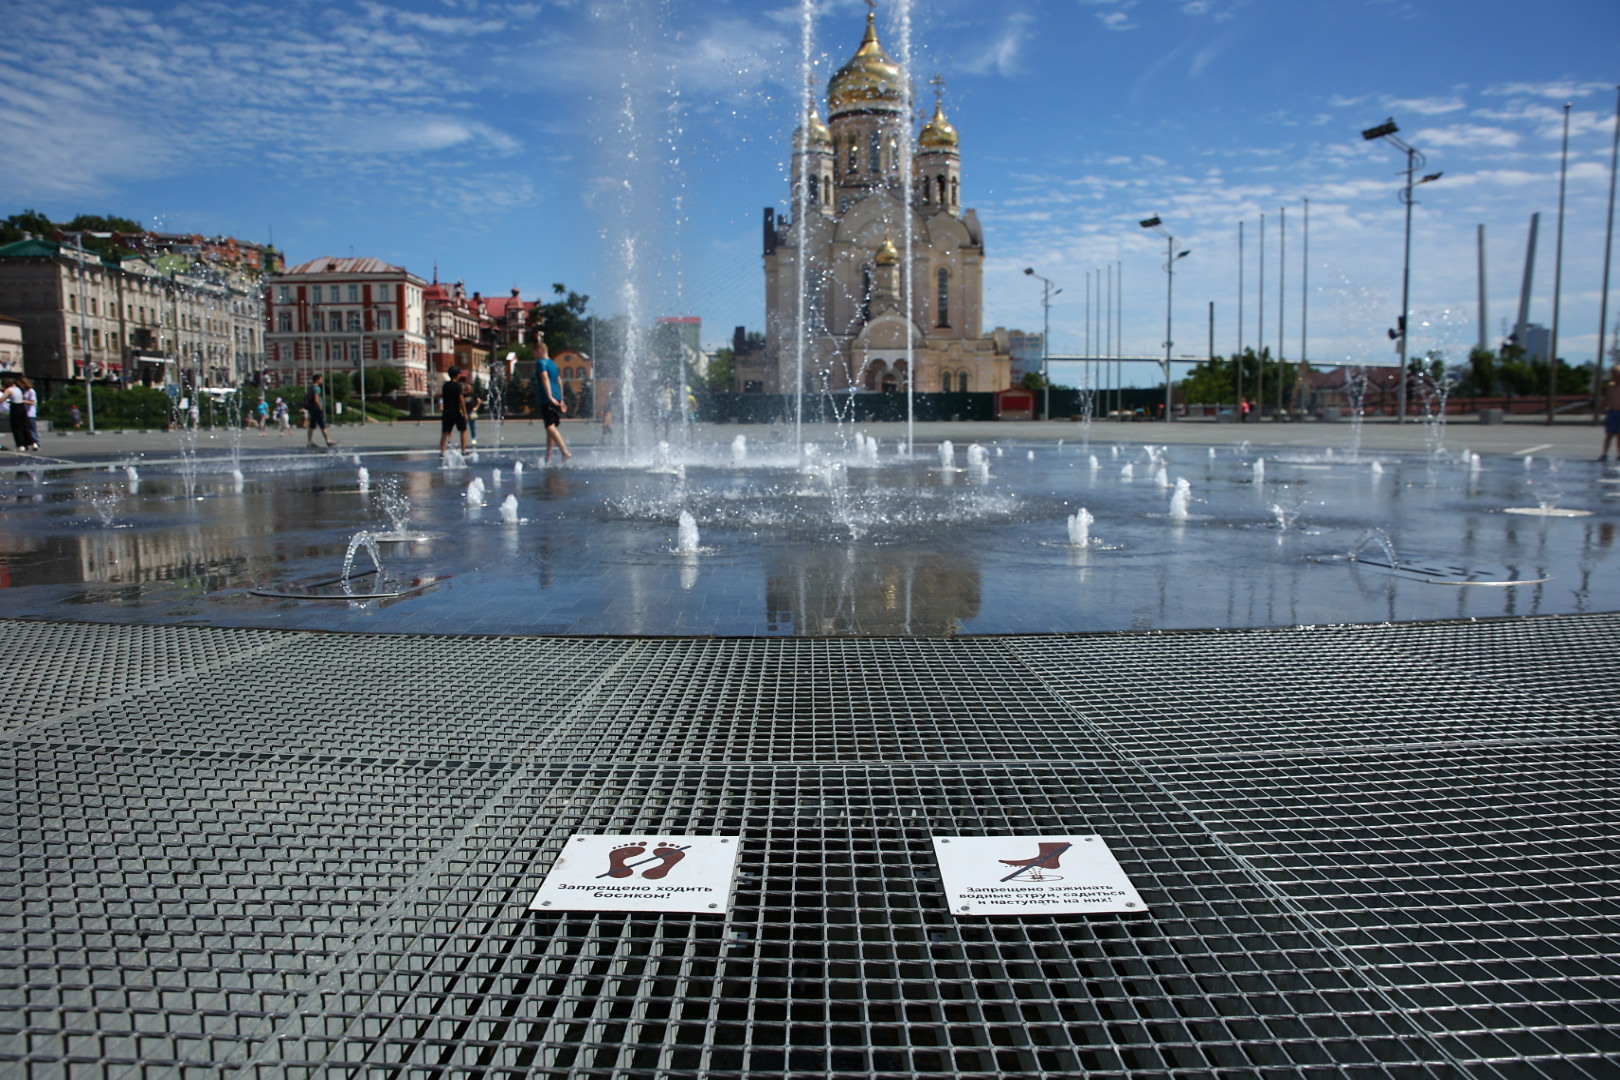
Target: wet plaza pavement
838 538
255 836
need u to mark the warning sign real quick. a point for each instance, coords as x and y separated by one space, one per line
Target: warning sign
1020 875
646 872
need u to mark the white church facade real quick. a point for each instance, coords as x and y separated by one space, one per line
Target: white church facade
877 273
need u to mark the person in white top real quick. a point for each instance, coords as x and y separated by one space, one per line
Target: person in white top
16 413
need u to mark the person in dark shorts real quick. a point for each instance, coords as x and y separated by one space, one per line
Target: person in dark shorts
453 411
315 405
1611 414
548 386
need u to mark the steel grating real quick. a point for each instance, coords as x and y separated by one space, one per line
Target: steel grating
1368 851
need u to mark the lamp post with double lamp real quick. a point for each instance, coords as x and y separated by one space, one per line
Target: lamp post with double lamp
1047 292
1171 257
1414 162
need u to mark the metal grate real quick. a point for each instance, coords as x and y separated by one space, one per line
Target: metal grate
1368 851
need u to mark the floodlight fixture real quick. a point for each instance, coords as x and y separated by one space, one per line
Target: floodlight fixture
1152 222
1381 131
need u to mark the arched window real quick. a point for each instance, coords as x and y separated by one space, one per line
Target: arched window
866 294
873 151
945 381
962 381
852 155
826 191
956 192
943 298
940 181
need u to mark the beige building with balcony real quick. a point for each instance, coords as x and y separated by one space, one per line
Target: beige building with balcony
878 272
131 319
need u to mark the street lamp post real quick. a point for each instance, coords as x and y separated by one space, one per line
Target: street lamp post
1046 333
1414 162
1171 257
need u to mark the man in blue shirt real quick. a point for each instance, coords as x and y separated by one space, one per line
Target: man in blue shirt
548 387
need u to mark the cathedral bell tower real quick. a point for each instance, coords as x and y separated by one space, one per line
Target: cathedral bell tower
939 165
813 159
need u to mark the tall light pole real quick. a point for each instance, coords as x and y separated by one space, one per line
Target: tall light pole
1558 280
1171 257
1414 162
1046 333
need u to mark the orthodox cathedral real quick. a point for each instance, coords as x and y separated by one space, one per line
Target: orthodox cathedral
877 272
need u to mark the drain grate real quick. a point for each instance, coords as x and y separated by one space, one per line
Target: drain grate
1381 851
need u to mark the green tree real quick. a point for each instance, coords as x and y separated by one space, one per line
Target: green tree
28 222
382 381
722 370
1483 377
1033 380
563 323
94 223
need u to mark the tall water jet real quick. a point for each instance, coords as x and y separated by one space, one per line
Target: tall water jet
1128 472
739 450
947 454
1095 464
1259 470
509 510
1179 499
475 492
365 480
1161 477
1080 527
639 125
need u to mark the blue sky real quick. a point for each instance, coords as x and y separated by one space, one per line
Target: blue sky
517 144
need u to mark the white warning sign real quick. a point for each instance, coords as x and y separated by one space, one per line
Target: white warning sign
1021 875
641 872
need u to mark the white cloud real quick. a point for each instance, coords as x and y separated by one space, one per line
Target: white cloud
1001 55
1558 89
1426 106
1467 135
1116 19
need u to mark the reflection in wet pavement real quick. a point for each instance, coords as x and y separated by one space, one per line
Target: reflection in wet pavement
813 545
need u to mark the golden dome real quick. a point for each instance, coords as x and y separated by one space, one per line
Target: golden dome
869 80
937 134
820 135
886 254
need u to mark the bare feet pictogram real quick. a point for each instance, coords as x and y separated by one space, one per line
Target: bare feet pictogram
619 856
1047 858
668 857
